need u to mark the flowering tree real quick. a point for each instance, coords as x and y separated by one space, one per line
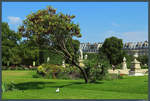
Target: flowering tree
53 30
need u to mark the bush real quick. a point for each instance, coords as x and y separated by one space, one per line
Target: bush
143 59
119 66
59 72
48 69
144 67
96 70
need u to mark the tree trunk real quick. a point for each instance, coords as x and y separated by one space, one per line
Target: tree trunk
82 71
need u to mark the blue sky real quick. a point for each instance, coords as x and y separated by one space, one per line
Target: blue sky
97 20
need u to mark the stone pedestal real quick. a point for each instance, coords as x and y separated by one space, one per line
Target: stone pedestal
135 69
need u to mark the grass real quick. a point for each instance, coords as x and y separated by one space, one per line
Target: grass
37 88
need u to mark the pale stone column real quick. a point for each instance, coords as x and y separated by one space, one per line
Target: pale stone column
124 64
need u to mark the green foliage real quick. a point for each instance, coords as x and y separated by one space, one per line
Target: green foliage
96 68
10 46
129 59
91 55
112 48
144 66
53 31
119 66
53 57
29 53
48 29
143 59
56 71
49 69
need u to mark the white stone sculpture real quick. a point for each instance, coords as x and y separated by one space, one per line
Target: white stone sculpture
81 54
33 63
47 59
63 63
85 57
124 64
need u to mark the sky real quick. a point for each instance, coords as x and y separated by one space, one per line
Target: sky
97 20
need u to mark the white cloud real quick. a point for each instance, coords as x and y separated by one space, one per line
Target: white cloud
14 20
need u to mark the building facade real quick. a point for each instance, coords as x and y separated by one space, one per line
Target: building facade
90 48
140 47
130 47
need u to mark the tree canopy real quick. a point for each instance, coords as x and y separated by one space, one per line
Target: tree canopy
54 31
10 45
112 48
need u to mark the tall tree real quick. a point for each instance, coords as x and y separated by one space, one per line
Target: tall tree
28 53
143 59
54 31
10 45
112 47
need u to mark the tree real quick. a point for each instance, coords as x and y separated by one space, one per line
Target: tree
143 59
10 45
28 53
112 48
54 31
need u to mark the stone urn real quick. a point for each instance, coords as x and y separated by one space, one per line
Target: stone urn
135 69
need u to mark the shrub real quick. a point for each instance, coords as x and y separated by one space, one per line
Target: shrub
96 70
49 69
59 72
119 66
144 67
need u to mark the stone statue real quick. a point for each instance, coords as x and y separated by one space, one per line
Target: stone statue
85 57
63 63
136 55
124 64
81 54
48 59
33 63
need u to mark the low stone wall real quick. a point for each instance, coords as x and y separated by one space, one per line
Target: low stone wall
125 71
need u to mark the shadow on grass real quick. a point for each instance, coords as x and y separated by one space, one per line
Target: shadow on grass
41 85
32 85
75 83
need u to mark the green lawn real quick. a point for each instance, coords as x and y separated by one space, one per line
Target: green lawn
37 88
